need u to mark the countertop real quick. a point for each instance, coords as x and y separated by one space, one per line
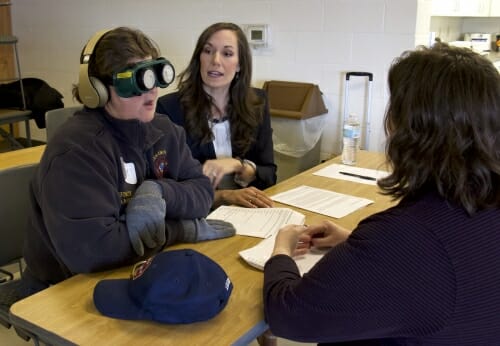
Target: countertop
493 56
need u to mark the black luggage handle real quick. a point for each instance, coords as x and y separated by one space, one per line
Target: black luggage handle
359 74
367 124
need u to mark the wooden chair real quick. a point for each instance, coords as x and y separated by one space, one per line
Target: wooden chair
14 211
56 117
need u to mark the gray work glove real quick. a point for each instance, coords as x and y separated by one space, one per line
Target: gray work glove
196 230
145 217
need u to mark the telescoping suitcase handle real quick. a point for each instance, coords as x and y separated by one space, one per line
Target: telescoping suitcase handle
367 127
359 74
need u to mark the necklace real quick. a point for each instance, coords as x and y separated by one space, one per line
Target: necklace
221 120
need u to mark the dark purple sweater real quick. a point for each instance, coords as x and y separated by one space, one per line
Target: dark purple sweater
420 273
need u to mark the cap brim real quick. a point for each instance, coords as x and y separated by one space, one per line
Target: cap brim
112 299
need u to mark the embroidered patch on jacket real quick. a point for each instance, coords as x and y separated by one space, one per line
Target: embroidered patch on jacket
160 163
140 267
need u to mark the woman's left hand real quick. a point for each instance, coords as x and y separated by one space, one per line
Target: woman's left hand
249 197
292 240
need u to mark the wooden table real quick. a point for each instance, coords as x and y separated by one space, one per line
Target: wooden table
64 314
21 156
366 159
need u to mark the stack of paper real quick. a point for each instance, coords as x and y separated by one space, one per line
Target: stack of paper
258 255
264 223
321 201
257 222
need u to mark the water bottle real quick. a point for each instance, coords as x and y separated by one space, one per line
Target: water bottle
351 134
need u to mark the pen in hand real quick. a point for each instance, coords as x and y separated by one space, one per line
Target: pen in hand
359 176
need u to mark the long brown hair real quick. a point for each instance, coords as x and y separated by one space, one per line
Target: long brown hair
244 109
443 126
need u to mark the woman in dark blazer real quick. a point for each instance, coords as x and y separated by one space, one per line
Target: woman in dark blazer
227 122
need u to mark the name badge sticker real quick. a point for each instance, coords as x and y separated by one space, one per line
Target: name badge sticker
129 172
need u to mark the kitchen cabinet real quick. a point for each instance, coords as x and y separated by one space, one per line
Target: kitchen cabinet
495 8
461 8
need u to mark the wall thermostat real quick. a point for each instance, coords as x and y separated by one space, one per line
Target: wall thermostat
257 35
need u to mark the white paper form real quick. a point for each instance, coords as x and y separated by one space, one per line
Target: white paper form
321 201
257 222
258 255
333 171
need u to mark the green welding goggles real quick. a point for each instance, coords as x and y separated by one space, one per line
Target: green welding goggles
143 76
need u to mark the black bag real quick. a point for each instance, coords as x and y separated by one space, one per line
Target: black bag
40 97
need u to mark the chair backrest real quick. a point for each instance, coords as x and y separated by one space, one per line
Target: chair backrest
14 210
56 117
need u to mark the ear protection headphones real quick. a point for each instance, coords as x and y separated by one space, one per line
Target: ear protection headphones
132 81
93 93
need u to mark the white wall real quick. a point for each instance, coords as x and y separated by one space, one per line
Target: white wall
313 41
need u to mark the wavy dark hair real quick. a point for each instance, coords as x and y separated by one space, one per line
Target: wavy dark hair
245 109
443 126
113 52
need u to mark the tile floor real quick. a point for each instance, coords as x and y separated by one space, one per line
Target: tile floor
8 337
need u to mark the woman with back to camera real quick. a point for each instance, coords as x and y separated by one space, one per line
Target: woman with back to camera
426 271
227 122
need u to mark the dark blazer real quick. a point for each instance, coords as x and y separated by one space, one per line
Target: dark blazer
261 153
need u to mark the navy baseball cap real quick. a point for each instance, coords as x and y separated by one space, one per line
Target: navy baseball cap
178 286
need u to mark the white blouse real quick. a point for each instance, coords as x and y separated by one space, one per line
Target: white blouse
222 146
222 139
